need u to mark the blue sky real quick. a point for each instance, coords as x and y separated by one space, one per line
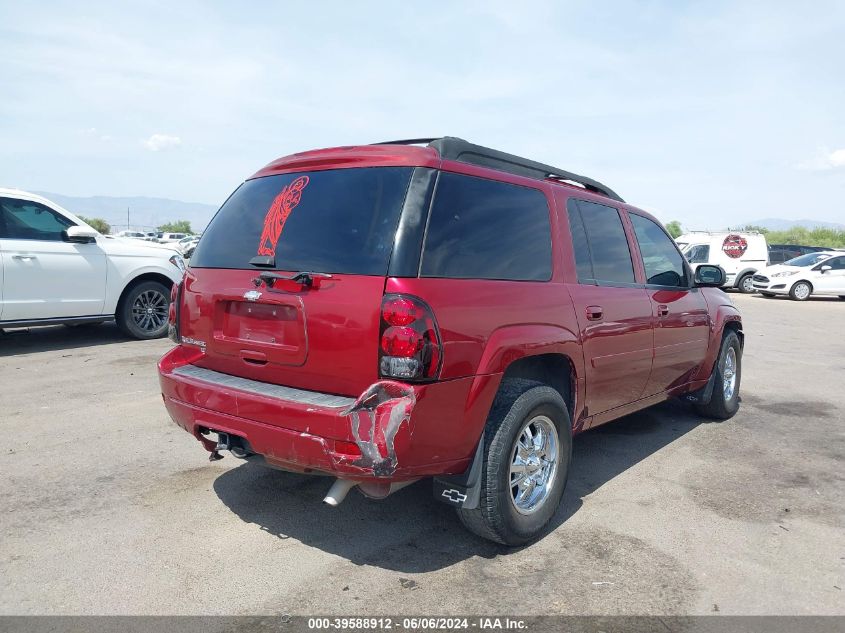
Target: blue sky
710 113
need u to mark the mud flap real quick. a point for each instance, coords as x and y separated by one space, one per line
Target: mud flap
464 490
705 394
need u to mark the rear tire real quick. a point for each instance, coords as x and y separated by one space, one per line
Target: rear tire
746 284
142 312
539 466
800 291
724 402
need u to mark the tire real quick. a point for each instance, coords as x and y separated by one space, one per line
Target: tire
133 312
724 402
842 297
746 284
767 294
500 516
800 291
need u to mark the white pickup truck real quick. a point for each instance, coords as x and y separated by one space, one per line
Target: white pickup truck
55 268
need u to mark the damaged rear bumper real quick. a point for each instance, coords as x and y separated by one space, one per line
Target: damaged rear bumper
392 432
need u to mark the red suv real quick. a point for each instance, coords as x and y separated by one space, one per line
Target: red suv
433 308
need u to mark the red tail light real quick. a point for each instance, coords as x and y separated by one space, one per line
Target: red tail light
410 339
173 312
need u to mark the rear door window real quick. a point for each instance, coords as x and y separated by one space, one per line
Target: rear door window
600 246
485 229
333 221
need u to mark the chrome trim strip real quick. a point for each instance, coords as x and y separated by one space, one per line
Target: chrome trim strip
289 394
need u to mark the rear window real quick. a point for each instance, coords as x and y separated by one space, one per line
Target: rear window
333 221
484 229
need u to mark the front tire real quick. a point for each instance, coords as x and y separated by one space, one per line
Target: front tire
142 312
746 284
724 402
800 291
527 451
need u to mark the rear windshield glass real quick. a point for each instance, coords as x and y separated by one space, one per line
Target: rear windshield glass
334 221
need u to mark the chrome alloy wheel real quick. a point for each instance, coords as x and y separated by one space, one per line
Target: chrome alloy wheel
534 464
729 374
149 311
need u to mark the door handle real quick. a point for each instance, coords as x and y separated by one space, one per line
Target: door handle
594 313
662 311
23 257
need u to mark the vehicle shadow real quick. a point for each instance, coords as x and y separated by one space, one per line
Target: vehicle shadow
818 298
412 532
58 337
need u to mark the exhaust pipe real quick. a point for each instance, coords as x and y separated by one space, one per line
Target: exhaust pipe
370 489
381 490
337 493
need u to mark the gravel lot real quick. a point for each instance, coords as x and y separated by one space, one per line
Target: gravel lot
109 508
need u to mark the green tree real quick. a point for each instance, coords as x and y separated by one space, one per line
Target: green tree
97 223
179 226
674 228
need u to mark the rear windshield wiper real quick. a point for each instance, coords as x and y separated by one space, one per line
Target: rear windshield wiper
305 278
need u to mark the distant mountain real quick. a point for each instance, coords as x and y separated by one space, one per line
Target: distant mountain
144 213
779 224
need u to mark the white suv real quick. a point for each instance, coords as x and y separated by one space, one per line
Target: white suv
54 268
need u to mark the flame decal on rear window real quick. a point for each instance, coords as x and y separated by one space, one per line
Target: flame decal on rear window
277 215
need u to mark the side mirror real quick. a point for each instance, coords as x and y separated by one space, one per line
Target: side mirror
81 234
709 276
824 269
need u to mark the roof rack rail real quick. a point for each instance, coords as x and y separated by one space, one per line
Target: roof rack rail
452 148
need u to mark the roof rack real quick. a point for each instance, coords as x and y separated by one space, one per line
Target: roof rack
452 148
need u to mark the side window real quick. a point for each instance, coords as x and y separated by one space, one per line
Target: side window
25 220
599 243
835 263
698 254
484 229
664 265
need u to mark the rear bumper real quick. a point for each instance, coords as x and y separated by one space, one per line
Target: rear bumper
306 431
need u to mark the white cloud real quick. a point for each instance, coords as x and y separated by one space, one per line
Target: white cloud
825 159
837 158
161 142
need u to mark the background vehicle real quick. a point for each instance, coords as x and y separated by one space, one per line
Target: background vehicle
57 269
187 245
168 238
389 312
132 234
779 253
815 273
739 254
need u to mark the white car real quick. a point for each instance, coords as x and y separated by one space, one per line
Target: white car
137 235
187 244
168 238
54 268
820 273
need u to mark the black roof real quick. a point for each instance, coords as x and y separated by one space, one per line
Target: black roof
452 148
